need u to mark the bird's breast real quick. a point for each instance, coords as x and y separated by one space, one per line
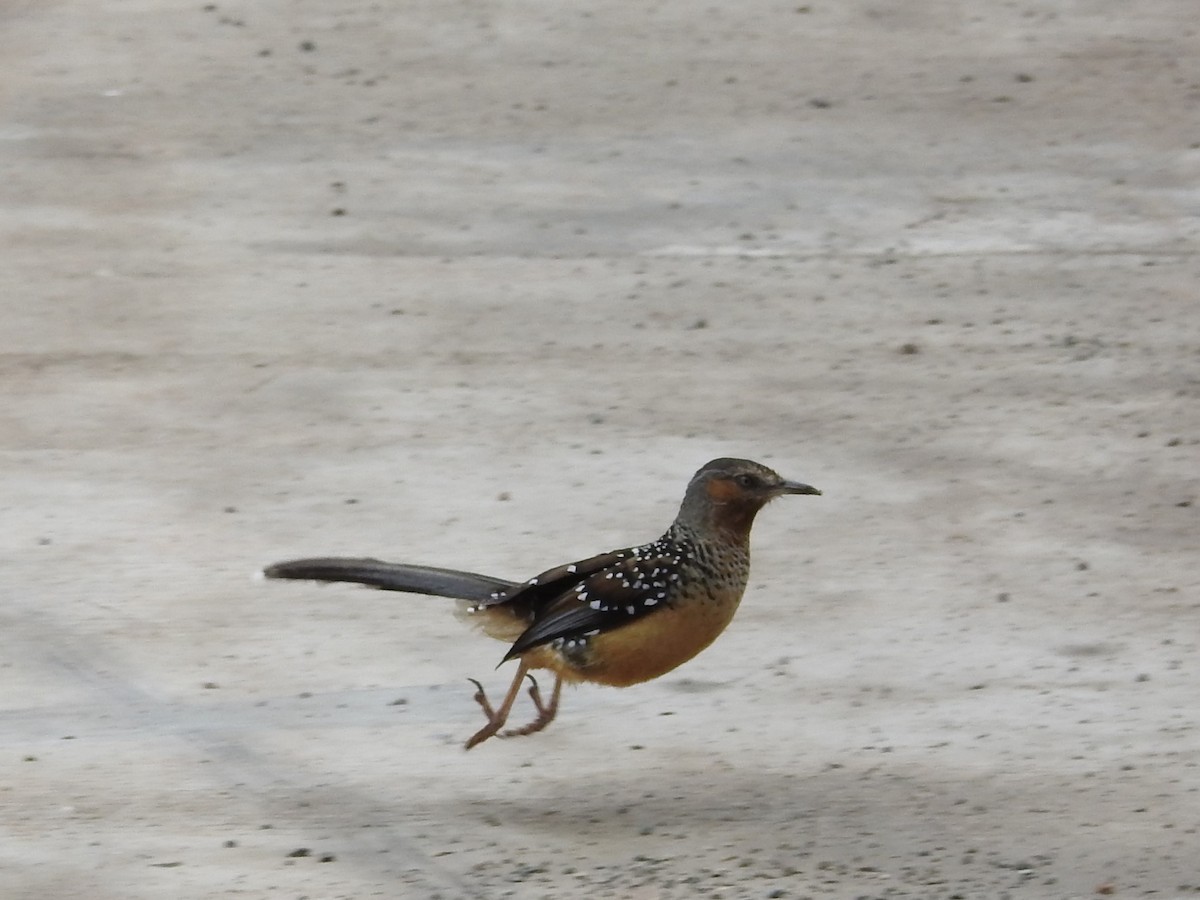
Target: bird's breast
653 644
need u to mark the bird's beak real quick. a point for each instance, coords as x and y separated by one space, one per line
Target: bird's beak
795 487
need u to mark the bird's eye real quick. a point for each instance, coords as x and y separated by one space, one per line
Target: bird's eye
748 481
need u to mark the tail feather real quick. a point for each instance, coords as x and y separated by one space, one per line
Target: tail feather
391 576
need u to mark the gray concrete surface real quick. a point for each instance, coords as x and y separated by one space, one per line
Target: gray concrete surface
481 284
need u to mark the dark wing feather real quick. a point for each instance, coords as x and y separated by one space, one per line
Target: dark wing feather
533 595
635 584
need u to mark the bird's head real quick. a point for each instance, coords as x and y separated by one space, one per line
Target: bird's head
727 493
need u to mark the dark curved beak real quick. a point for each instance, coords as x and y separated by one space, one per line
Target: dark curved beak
795 487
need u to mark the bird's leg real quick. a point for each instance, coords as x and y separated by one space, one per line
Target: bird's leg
546 711
496 717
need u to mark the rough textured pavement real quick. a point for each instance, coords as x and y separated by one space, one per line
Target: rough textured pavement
480 285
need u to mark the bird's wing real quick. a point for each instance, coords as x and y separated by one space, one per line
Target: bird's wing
533 595
633 584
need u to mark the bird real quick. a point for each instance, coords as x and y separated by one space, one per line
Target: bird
619 618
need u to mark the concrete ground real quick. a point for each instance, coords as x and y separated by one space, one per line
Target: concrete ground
480 285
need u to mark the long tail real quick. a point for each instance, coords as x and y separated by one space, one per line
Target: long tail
391 577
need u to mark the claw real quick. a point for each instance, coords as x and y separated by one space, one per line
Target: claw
482 700
535 694
496 717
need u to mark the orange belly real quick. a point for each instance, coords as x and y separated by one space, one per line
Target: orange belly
643 649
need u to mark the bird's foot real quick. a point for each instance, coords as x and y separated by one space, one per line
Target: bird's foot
545 714
482 700
494 723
